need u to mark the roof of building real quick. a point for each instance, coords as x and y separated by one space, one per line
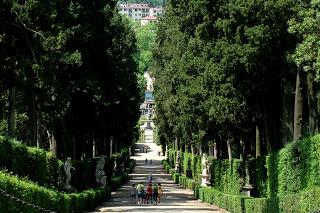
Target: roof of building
149 18
134 6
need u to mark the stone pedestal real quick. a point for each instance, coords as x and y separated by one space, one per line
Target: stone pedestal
247 189
177 164
205 178
69 189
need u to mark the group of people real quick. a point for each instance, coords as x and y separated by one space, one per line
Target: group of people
144 150
152 193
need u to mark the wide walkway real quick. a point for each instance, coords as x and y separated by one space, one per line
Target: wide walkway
175 198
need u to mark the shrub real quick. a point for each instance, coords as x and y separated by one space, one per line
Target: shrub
229 202
261 205
35 164
294 168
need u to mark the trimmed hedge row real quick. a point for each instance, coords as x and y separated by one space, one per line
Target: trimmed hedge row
36 164
229 202
294 168
117 181
306 201
45 169
52 199
46 198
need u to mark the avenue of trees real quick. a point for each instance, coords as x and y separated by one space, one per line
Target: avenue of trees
237 76
68 76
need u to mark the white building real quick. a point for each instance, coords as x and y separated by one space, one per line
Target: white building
140 11
149 19
136 11
156 11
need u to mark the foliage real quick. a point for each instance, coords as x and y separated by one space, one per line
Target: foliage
219 73
42 167
72 65
261 205
35 164
226 176
52 199
232 203
294 168
305 25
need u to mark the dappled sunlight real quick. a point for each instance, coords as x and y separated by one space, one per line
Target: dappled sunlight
174 199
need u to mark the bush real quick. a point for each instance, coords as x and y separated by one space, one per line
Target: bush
294 168
261 205
187 182
306 201
229 202
29 192
35 164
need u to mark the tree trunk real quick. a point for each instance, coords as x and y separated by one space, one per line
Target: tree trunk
215 151
186 149
52 143
12 113
111 144
38 129
298 103
258 142
312 103
229 150
210 150
241 149
287 114
192 150
267 133
176 145
34 128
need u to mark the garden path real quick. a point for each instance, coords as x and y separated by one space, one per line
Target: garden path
175 198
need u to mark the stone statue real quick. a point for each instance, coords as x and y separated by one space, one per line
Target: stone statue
67 168
205 171
204 163
100 174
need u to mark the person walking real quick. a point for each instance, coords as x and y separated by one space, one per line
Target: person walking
155 194
160 192
150 178
140 189
133 194
149 193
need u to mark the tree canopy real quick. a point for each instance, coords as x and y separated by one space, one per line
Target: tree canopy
68 75
224 72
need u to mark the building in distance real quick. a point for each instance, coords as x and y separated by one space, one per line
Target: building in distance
140 12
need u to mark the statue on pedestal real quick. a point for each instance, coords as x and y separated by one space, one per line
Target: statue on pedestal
67 168
178 163
100 174
205 171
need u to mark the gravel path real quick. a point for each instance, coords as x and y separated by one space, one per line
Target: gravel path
175 198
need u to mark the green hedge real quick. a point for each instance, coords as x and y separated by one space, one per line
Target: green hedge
261 205
294 168
51 199
36 164
45 169
187 182
306 201
226 175
232 203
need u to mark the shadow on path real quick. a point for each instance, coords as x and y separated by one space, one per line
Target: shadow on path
175 198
